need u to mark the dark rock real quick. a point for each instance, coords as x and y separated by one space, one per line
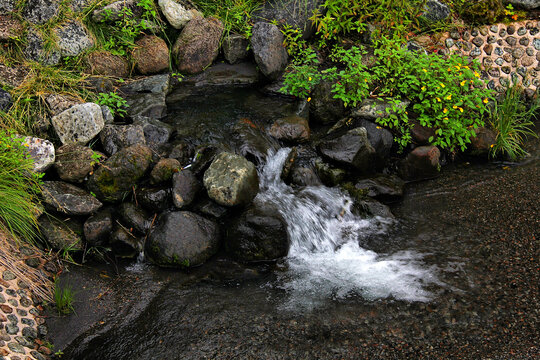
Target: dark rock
435 11
421 134
329 175
185 188
268 49
371 207
510 40
298 169
303 176
291 128
182 239
380 138
151 55
352 149
198 44
251 141
5 100
73 38
134 217
482 143
235 48
35 51
106 64
259 234
74 162
10 27
68 199
225 74
292 157
375 109
164 170
155 199
156 133
324 109
117 137
78 124
120 173
182 152
146 97
231 180
210 208
61 235
203 158
98 227
41 151
124 244
421 163
40 11
386 188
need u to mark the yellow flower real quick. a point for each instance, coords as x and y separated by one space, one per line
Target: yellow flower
445 110
461 109
439 99
454 107
423 88
463 83
485 101
465 67
476 74
445 119
309 78
449 97
442 85
424 70
492 145
458 67
308 99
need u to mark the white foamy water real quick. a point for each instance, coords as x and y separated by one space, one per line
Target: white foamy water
325 260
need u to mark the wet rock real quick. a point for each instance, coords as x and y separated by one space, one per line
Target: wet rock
5 100
117 137
178 14
482 143
151 55
182 239
421 163
10 27
68 199
435 10
371 207
182 152
35 51
386 188
298 168
106 64
120 173
156 132
303 176
323 108
146 97
73 38
134 217
380 138
61 235
421 134
372 110
203 158
164 170
231 180
98 227
74 162
226 74
210 208
198 44
235 48
291 128
268 49
79 124
155 199
115 11
40 11
352 149
329 175
41 151
124 244
259 234
251 141
185 188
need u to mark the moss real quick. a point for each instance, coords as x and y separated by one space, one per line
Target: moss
356 194
482 11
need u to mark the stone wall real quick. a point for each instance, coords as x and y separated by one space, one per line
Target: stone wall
506 51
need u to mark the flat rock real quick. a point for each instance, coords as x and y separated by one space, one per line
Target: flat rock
79 124
68 199
226 74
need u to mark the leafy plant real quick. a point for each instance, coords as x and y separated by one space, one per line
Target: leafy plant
512 119
115 102
63 298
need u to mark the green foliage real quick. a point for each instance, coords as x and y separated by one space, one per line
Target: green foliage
480 11
19 188
512 120
115 102
63 298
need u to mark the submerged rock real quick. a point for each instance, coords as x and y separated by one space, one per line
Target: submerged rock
182 239
291 128
421 163
69 199
79 124
268 49
251 141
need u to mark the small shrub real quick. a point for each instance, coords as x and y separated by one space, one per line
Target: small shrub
63 298
115 102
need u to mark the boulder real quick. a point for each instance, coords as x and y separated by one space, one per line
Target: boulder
421 134
182 239
97 228
151 55
164 170
198 45
6 101
178 15
124 244
146 97
74 162
135 218
482 143
65 198
117 137
434 11
291 128
525 4
231 180
421 163
120 173
40 11
73 38
156 132
7 6
185 188
351 149
41 151
61 235
268 49
329 175
380 138
116 10
10 27
323 108
106 64
79 124
35 51
259 234
385 188
235 48
155 199
58 103
251 141
182 152
373 109
298 169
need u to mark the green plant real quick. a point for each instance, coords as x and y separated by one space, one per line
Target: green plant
512 120
115 102
481 11
63 298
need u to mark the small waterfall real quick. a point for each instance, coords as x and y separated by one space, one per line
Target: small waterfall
325 259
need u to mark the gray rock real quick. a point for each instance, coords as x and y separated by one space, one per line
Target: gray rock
156 132
79 5
178 15
68 199
235 48
226 74
117 137
7 6
34 50
182 239
352 149
41 151
421 163
268 49
371 109
291 128
198 45
61 235
113 12
380 138
164 170
526 4
120 173
108 117
59 103
134 217
371 207
5 100
40 11
231 180
74 162
210 208
155 199
386 188
10 27
98 227
79 124
185 188
259 234
124 244
434 11
146 97
73 38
